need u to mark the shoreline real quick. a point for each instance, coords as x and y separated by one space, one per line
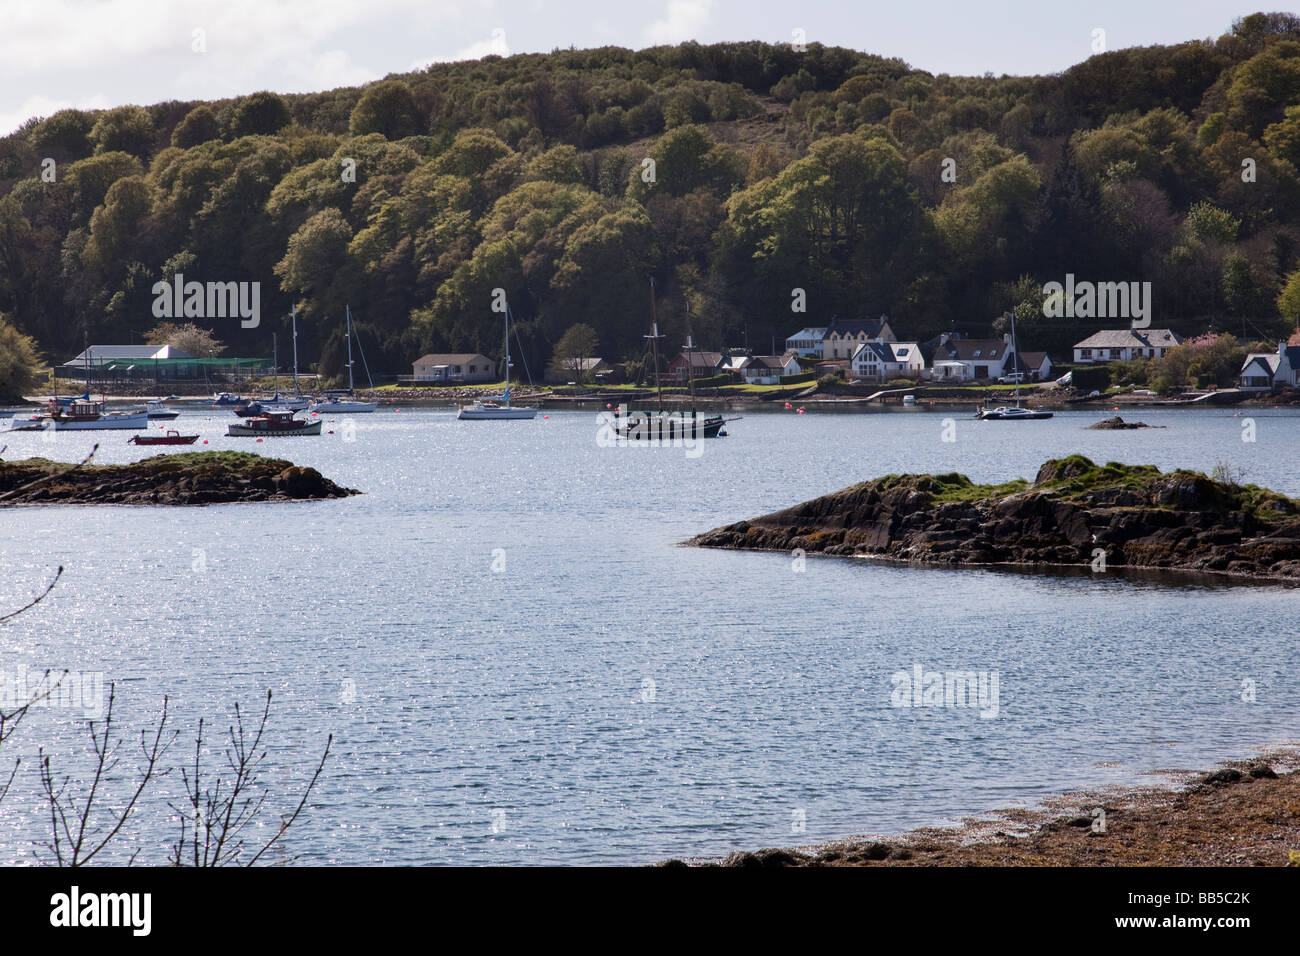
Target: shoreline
1242 578
1242 813
597 399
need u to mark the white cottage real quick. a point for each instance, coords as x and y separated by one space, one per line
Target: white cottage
881 361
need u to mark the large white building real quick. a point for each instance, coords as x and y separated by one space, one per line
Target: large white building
844 336
1123 345
881 361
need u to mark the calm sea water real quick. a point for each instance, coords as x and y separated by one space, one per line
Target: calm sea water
519 664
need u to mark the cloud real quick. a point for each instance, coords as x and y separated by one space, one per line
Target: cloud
493 45
683 20
44 106
140 51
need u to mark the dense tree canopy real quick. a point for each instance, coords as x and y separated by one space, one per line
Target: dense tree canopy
733 175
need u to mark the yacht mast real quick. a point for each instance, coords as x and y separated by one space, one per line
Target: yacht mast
507 320
348 309
654 343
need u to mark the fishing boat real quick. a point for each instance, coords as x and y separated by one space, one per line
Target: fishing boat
340 402
91 416
1012 413
173 437
272 424
497 406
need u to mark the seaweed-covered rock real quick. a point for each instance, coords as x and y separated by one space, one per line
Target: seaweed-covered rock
193 478
1137 515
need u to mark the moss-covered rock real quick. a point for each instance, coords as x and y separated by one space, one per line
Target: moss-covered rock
192 478
1134 514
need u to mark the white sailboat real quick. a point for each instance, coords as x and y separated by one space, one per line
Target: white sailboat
1012 413
342 402
279 403
497 406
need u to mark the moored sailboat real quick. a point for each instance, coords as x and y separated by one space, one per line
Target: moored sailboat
1012 413
343 402
497 407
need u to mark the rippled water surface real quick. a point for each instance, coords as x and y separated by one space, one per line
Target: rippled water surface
607 696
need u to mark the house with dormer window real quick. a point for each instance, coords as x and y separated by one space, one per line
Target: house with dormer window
881 361
844 336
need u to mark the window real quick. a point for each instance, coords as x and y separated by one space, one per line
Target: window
1085 353
902 352
977 353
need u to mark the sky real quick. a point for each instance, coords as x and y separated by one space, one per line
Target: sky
94 54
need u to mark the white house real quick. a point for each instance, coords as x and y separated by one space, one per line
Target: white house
807 342
881 361
843 336
1264 370
456 368
1259 371
959 359
1123 345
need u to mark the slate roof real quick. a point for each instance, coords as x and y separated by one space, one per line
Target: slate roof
872 327
451 358
965 350
1130 339
1268 362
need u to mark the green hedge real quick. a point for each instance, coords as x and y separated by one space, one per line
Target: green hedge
1087 379
797 378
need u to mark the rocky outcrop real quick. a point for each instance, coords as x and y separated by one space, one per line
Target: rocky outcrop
197 478
1118 424
1073 513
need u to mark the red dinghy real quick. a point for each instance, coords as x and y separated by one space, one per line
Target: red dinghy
172 437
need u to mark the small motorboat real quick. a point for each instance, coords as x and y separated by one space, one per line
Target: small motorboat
158 410
226 398
173 437
273 424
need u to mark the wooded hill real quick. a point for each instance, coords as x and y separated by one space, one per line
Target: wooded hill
774 170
